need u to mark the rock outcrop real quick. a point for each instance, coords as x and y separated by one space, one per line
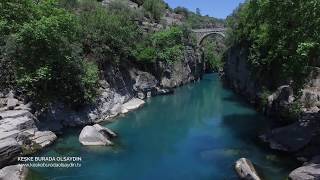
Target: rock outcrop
96 135
14 172
179 73
246 170
237 73
309 171
18 129
121 86
280 101
9 151
132 105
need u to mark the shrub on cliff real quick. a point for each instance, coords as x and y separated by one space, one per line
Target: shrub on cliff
166 45
13 13
108 36
155 8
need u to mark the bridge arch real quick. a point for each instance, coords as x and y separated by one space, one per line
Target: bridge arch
202 34
201 39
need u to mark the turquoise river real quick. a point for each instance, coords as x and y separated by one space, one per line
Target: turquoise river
196 134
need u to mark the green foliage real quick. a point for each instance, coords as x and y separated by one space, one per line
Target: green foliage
282 36
13 13
182 10
108 36
139 2
41 46
156 8
90 80
120 7
196 20
212 57
265 93
295 110
166 45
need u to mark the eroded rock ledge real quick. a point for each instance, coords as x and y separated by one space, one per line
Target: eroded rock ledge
18 131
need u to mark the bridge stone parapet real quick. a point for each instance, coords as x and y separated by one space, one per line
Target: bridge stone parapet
201 34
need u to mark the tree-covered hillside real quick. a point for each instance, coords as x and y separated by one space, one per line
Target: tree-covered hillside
56 49
282 36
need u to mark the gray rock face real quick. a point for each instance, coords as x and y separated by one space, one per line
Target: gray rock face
131 105
172 19
43 138
12 103
145 83
238 75
96 136
279 102
15 172
246 170
297 136
182 72
309 171
107 106
9 151
18 128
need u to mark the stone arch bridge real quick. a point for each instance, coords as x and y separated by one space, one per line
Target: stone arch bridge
201 34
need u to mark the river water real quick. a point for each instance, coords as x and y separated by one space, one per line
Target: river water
197 133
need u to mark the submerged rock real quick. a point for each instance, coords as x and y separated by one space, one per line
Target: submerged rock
310 171
96 135
15 172
245 170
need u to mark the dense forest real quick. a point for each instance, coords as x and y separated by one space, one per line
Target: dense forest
56 49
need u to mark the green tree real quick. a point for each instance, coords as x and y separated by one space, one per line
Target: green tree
282 37
212 58
108 36
167 45
47 57
156 8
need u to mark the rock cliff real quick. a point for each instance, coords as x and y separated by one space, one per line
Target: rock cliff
300 137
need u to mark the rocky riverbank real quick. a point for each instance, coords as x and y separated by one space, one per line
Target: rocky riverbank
22 130
300 137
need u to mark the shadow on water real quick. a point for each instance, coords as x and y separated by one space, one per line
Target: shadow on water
245 127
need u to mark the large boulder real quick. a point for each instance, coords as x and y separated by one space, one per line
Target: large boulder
296 136
289 138
12 103
9 151
309 171
246 170
15 172
96 136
